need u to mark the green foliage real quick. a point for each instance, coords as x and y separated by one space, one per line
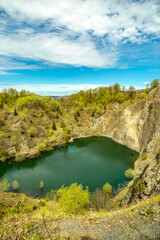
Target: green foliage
140 186
2 123
62 124
119 97
15 185
132 92
41 185
32 131
116 88
144 95
155 83
129 173
107 189
38 102
15 112
4 185
54 126
73 199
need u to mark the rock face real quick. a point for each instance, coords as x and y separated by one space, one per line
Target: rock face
138 127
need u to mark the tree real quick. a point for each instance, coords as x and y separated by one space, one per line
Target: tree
119 97
15 112
73 199
155 83
116 88
54 126
41 185
15 185
129 173
132 92
4 185
107 189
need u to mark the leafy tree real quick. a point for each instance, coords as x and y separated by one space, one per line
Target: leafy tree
15 112
15 185
129 173
41 185
132 92
73 199
4 185
144 95
119 97
107 189
116 88
155 83
54 126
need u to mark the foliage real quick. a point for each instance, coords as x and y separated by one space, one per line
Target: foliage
73 199
41 185
119 97
4 185
15 112
129 173
155 83
144 95
107 188
32 131
54 126
15 185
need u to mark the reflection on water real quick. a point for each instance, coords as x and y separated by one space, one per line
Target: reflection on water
90 161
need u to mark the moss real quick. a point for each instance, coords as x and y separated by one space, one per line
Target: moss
140 186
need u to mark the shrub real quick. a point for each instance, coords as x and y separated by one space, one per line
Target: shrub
129 173
15 185
97 199
15 112
41 185
41 147
144 95
119 97
32 131
4 185
73 199
107 189
54 126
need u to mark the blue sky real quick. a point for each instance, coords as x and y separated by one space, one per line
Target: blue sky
60 47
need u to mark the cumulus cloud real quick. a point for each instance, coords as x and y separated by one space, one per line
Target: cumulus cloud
78 33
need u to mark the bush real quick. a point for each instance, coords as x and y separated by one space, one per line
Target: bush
32 131
129 173
15 185
41 185
54 126
119 97
73 199
15 112
4 185
107 189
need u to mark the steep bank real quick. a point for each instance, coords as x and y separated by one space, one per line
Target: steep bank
136 125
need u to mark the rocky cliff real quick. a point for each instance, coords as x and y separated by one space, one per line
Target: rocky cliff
138 127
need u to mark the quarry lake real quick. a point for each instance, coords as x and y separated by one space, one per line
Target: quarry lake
91 161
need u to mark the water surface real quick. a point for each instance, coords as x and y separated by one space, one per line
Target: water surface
90 161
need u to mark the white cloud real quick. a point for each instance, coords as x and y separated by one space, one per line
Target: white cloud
78 33
54 89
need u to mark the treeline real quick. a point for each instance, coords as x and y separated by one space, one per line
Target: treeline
106 95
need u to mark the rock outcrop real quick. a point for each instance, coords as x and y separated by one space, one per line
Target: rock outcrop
138 127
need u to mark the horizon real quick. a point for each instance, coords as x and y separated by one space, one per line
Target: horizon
59 48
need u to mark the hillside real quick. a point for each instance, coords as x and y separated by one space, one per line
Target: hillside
31 125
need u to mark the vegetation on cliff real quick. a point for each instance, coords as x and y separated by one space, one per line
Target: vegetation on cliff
32 124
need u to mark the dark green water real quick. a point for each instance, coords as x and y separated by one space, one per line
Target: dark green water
90 161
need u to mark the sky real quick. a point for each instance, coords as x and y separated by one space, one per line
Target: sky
59 47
